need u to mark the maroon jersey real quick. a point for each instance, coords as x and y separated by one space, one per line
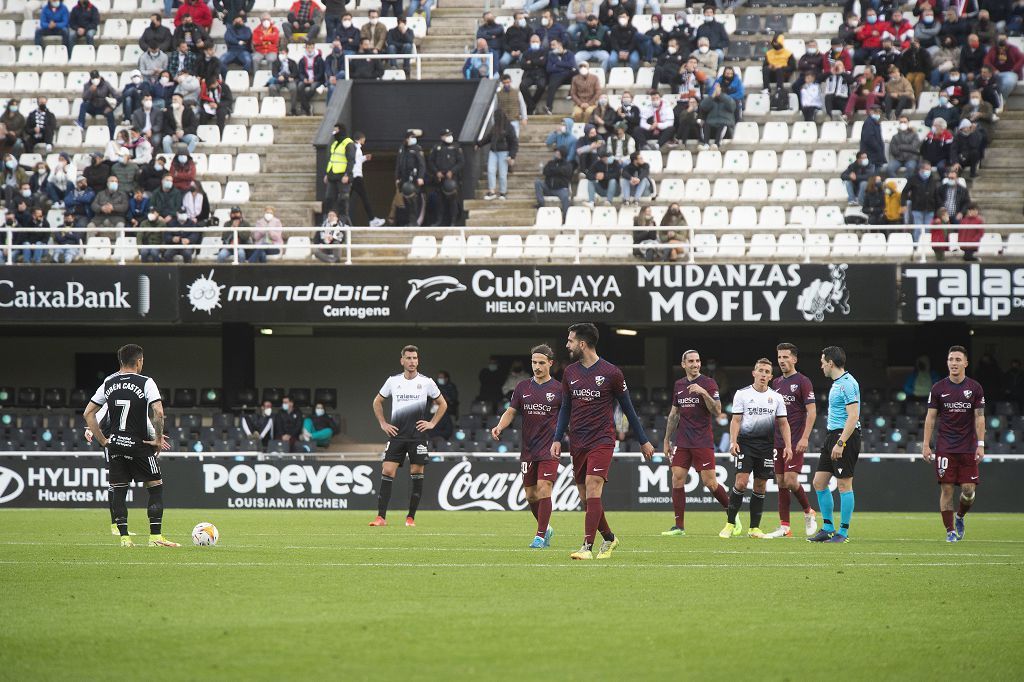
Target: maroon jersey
694 419
798 393
539 405
956 404
592 392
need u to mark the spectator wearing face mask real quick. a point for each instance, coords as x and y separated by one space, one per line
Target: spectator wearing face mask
266 38
954 195
150 242
714 31
1006 61
311 77
266 234
969 238
503 145
110 206
944 110
623 43
563 138
78 202
584 92
511 101
53 21
304 17
855 179
719 114
535 74
921 197
547 29
68 241
184 233
450 393
31 241
945 58
376 32
320 427
668 66
778 65
493 35
926 30
904 150
238 39
151 173
61 179
330 234
557 174
869 36
183 170
98 99
871 141
152 62
603 117
198 11
196 204
215 103
237 232
288 424
602 179
491 379
657 123
31 198
179 126
148 121
125 171
83 22
592 41
635 180
138 208
260 424
967 149
166 200
515 42
40 126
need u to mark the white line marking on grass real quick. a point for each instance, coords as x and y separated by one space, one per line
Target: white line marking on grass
568 564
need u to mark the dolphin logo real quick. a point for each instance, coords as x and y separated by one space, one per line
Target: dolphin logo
437 287
11 484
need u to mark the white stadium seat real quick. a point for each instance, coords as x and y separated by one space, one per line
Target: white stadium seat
762 245
453 246
732 245
565 246
736 161
537 246
510 247
297 247
793 161
594 245
845 245
708 162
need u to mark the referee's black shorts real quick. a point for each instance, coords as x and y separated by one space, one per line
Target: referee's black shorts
844 466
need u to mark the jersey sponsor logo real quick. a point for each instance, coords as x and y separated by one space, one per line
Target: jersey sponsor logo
11 485
586 394
599 380
957 405
462 489
436 288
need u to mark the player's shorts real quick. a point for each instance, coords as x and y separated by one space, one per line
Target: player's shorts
782 466
396 451
123 469
761 467
844 466
546 470
701 459
592 462
957 469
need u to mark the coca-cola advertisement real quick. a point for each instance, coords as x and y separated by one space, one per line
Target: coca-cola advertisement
455 484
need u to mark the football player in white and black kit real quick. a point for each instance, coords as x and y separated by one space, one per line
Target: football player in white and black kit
411 394
756 410
133 401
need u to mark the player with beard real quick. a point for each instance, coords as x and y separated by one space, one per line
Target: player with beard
591 387
801 411
958 404
539 400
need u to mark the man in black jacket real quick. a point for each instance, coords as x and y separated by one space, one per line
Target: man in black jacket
288 424
535 74
401 40
557 176
84 21
871 137
156 34
968 148
365 69
445 162
921 196
517 41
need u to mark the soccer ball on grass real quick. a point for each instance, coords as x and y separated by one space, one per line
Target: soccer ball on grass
205 535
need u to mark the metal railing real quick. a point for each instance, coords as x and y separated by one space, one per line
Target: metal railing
383 248
419 57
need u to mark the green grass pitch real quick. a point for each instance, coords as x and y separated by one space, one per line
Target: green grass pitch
300 595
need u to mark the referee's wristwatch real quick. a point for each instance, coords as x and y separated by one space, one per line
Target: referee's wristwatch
841 443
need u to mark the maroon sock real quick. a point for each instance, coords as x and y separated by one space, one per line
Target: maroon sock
784 506
533 508
595 511
947 520
721 496
964 508
801 498
543 512
603 528
679 505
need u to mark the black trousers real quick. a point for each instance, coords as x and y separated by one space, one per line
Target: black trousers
529 80
359 189
336 196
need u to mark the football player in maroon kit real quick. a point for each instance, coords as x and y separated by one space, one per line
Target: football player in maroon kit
958 404
539 400
801 411
591 386
695 404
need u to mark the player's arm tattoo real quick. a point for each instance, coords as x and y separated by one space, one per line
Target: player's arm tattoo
158 421
714 406
929 425
672 424
91 422
979 423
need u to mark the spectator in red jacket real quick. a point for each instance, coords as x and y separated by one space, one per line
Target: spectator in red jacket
265 40
869 36
200 13
968 238
1006 60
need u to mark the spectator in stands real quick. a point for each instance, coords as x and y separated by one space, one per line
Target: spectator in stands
865 90
304 19
668 66
563 138
937 146
216 102
333 12
587 147
401 40
813 62
364 69
479 66
915 64
112 152
855 179
969 238
953 27
904 150
1015 19
557 175
110 206
515 374
131 96
1006 61
1013 381
238 38
184 232
635 180
138 208
183 170
535 75
376 32
873 204
687 122
156 36
719 114
811 100
187 85
179 125
208 64
32 197
10 143
620 145
358 186
945 58
78 202
331 232
623 43
707 59
602 178
182 60
227 10
320 427
653 41
33 218
593 42
125 171
68 240
869 36
284 76
492 34
584 92
988 85
311 77
150 175
899 94
53 21
690 82
266 236
972 57
152 63
657 123
839 52
166 201
503 147
266 39
491 378
148 121
778 65
236 233
348 35
967 149
683 33
97 172
886 56
646 235
391 8
198 11
196 204
714 31
260 424
870 137
334 67
511 102
944 110
980 113
83 22
673 218
926 30
14 125
603 117
921 379
60 180
902 29
98 99
954 196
